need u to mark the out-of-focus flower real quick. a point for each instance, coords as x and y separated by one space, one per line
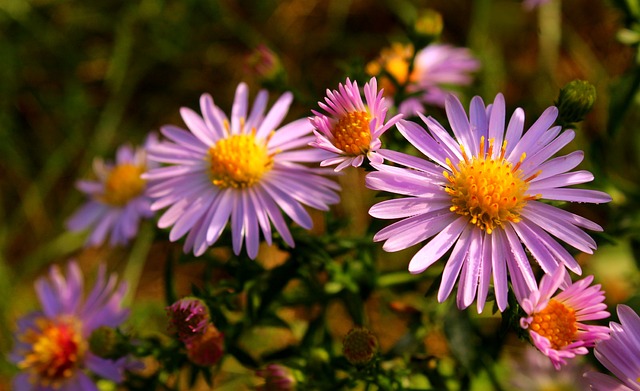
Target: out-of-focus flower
353 129
118 199
620 354
575 100
276 378
531 4
207 348
264 63
556 323
51 345
481 197
189 317
437 68
359 346
530 370
246 169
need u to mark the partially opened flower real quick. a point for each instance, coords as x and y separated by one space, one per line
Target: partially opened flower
556 322
352 129
246 169
188 318
481 195
52 345
620 354
118 200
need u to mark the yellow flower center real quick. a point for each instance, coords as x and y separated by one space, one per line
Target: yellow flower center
123 184
56 350
351 134
239 161
557 323
490 191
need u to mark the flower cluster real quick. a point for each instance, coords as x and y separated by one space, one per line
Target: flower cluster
478 189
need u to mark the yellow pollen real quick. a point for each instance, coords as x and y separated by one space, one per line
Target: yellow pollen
557 323
351 134
489 190
123 184
239 161
57 348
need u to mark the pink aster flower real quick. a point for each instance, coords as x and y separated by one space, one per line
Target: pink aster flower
118 200
620 354
246 169
555 323
481 195
51 345
353 129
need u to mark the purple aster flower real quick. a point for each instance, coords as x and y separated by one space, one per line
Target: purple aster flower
189 317
52 345
353 129
481 196
555 323
118 200
436 69
246 169
620 354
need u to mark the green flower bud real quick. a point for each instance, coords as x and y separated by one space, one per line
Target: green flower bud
106 342
359 346
429 24
575 100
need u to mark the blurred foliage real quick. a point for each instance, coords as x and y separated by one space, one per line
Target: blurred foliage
79 78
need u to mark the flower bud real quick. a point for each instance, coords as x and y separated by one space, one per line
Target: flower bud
105 342
276 378
359 346
264 63
428 26
189 317
207 348
575 100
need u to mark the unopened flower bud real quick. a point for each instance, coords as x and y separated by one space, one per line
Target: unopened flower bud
105 342
575 100
188 318
207 348
276 378
359 346
263 62
428 26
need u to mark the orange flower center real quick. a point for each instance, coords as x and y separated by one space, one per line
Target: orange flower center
239 161
557 323
351 133
490 191
56 350
123 184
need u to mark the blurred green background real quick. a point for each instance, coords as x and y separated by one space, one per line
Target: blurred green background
78 78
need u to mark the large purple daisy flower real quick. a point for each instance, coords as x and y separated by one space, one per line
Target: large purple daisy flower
246 169
481 194
51 345
118 199
620 354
